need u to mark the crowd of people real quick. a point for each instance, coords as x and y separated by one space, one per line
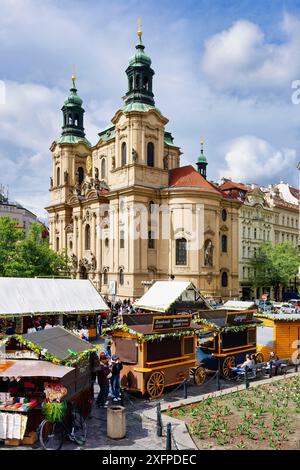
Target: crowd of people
106 368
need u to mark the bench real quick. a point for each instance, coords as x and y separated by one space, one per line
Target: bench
263 368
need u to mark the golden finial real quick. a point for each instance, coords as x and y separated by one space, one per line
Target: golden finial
140 32
73 75
202 143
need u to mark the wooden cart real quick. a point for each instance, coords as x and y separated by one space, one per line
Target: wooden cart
157 351
226 338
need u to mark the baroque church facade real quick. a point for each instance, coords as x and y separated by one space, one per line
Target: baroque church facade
127 213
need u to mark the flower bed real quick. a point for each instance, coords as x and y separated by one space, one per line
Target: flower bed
262 417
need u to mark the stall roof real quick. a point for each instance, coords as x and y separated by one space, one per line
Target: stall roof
59 342
280 316
237 305
29 368
221 319
28 296
163 294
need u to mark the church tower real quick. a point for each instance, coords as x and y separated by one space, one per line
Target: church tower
69 156
202 162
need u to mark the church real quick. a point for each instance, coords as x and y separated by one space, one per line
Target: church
126 212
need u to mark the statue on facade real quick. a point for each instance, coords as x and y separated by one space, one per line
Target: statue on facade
208 253
77 185
166 162
113 162
66 177
93 263
135 156
74 260
51 182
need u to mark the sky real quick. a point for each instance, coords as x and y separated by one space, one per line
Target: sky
224 72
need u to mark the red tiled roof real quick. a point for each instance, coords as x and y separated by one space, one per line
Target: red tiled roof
188 177
232 185
295 192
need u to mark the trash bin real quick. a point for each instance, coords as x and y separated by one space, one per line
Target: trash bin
116 422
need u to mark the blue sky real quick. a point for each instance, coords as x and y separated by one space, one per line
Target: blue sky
223 72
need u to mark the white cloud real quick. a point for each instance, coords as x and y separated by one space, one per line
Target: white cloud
250 159
241 58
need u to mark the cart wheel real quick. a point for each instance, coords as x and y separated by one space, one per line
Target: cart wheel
227 364
200 375
79 427
51 435
155 384
259 357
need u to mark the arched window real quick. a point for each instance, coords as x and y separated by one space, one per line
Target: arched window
224 215
181 251
249 251
145 83
130 83
87 237
255 233
70 121
106 242
137 81
76 120
105 276
151 241
80 174
123 154
224 243
57 243
121 277
244 251
58 176
150 154
103 168
122 239
244 232
224 279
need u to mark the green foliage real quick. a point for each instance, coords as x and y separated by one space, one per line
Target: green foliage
275 265
28 256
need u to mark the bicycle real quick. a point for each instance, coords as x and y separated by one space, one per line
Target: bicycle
52 435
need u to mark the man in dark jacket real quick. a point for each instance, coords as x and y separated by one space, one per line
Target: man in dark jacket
103 375
116 367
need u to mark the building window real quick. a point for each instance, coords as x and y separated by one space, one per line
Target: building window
255 234
58 176
103 168
151 241
80 174
150 154
122 239
224 215
249 251
181 251
249 232
244 232
244 272
123 154
224 243
106 242
121 277
87 237
105 276
282 237
244 251
57 243
224 279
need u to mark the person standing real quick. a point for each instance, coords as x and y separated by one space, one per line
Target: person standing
116 367
103 375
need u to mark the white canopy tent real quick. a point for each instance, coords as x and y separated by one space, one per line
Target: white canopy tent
162 294
238 305
29 296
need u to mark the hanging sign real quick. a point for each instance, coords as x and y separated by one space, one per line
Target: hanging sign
170 322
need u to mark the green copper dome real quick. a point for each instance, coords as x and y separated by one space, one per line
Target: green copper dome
73 98
202 158
140 58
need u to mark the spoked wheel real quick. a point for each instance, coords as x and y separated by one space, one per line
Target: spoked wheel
259 357
228 363
200 375
51 435
79 428
156 384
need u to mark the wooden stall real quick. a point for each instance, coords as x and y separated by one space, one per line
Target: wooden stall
33 363
226 338
26 304
279 333
157 351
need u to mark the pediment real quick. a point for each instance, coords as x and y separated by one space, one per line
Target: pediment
224 228
209 231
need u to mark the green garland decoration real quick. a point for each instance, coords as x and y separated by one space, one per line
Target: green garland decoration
224 329
153 337
44 353
272 316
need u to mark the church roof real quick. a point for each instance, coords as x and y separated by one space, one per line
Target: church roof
188 177
232 185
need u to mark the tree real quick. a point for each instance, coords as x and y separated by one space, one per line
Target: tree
28 256
275 265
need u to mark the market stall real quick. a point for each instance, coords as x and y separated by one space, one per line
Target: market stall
27 304
157 351
226 338
280 333
35 370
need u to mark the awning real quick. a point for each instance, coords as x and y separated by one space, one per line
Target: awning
27 368
29 296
